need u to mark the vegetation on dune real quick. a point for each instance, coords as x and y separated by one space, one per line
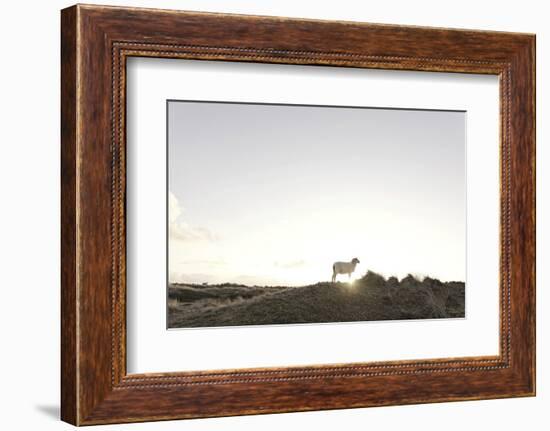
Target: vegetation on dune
369 298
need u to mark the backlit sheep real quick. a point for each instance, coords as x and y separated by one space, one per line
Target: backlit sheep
344 268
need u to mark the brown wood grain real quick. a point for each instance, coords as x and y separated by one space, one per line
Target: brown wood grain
96 41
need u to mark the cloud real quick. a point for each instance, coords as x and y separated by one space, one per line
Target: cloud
174 209
218 262
291 264
182 231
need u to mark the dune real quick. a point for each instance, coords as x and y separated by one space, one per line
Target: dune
370 298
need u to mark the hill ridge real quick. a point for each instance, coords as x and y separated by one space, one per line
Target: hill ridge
370 298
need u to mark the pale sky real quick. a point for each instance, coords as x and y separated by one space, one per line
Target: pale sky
273 195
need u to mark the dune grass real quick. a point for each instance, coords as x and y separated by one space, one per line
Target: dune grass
370 298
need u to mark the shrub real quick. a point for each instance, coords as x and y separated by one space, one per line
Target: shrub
432 282
410 281
393 282
373 279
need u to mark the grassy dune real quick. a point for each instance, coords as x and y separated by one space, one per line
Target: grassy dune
369 298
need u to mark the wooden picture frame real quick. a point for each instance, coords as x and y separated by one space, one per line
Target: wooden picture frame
95 43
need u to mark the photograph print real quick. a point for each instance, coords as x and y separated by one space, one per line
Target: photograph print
301 214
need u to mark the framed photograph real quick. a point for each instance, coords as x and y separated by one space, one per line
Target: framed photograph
265 214
256 219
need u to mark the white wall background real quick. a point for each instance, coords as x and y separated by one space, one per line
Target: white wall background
29 225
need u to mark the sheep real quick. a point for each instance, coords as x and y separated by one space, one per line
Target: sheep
344 268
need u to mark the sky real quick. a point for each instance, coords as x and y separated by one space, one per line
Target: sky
275 194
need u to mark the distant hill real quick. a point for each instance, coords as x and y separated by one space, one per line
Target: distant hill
370 298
